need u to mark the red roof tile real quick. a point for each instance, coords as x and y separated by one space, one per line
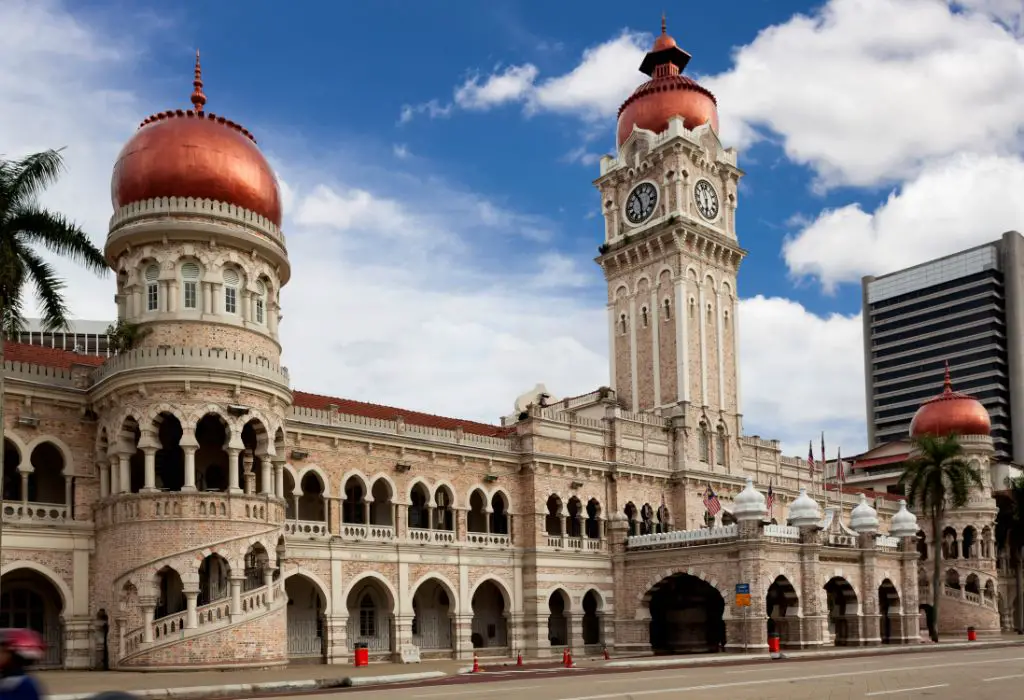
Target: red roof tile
48 357
372 410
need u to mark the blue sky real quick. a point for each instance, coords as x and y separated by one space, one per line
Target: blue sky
443 261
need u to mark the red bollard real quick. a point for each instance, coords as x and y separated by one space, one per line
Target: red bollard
565 655
605 650
568 659
972 636
773 645
519 659
476 664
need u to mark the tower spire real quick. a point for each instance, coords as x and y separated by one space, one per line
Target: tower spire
947 383
198 98
664 29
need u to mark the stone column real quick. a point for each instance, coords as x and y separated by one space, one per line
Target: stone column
191 618
870 619
909 594
115 474
148 444
189 445
576 631
462 642
746 630
249 486
233 453
24 471
266 475
336 629
235 583
148 604
124 480
79 643
279 462
814 618
403 635
629 630
104 466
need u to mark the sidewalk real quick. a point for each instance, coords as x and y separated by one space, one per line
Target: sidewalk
192 685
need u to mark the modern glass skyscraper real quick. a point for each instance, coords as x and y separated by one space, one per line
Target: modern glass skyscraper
967 309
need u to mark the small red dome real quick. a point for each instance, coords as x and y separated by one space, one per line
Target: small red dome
951 413
195 154
668 94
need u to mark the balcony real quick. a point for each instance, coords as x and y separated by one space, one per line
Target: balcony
126 508
35 513
186 358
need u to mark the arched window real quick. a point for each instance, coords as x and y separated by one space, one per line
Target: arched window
623 325
260 302
667 308
231 279
152 287
367 617
702 443
644 320
190 286
720 445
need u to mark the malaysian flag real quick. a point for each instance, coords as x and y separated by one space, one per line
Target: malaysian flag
770 501
711 502
824 462
810 457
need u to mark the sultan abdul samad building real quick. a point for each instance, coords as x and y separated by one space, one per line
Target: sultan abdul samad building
181 505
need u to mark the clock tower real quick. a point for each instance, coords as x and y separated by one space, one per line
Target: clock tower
671 256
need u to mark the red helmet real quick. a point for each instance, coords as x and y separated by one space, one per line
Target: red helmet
28 644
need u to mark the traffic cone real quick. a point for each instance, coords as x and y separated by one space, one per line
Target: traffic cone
565 656
519 659
568 659
476 664
605 650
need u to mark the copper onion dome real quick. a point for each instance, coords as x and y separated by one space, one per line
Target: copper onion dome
951 413
193 153
667 94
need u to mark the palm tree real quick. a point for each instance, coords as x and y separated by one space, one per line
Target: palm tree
24 225
938 477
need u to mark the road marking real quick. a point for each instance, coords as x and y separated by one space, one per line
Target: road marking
476 691
790 679
1003 678
906 690
631 678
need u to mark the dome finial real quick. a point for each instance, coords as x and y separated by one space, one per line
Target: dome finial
198 98
664 29
947 383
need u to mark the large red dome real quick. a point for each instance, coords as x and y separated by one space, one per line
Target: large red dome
667 94
195 154
951 413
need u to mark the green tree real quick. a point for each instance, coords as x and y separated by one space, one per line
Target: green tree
937 478
24 226
1012 532
125 335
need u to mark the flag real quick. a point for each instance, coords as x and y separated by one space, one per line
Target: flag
770 501
824 462
840 471
810 457
711 502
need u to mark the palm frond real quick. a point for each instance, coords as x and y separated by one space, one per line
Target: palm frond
53 309
58 234
27 177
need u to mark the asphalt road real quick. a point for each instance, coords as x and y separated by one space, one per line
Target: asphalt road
978 675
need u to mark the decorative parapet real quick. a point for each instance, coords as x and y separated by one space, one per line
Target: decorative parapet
183 207
327 418
682 538
675 129
39 373
192 358
782 532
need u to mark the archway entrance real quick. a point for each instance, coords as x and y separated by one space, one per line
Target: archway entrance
370 617
686 616
305 615
490 628
432 622
558 621
783 606
890 624
842 611
592 632
32 601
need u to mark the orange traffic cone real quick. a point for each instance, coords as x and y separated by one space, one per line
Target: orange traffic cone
476 664
568 659
519 659
565 656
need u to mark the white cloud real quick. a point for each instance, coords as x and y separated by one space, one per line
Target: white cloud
594 89
510 85
870 91
439 299
962 202
400 151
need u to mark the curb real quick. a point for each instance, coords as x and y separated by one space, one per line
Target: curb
812 655
239 689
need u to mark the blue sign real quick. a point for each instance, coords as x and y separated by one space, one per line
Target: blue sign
742 589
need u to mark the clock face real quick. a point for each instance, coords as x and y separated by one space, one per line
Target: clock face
641 203
706 199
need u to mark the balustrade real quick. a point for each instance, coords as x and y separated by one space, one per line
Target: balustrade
483 539
27 512
310 528
425 536
373 533
172 505
683 538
